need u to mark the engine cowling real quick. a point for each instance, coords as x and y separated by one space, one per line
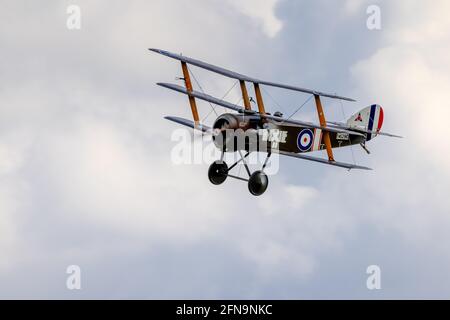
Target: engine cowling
235 132
226 121
224 128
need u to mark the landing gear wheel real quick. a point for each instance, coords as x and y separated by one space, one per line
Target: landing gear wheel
217 172
258 182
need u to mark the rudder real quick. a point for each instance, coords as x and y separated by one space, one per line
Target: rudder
370 118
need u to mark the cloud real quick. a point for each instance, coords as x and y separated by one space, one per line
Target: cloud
96 162
261 12
86 177
410 74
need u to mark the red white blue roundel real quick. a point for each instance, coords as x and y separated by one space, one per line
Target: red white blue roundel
305 140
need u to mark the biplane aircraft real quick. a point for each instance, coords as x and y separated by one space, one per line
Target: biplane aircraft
261 131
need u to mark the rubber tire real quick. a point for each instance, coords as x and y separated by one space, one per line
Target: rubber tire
217 172
258 182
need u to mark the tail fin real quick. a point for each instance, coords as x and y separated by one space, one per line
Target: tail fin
370 118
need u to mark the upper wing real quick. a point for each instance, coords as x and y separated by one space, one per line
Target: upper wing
238 76
237 108
321 160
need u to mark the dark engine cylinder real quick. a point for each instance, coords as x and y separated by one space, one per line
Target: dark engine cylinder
234 132
226 121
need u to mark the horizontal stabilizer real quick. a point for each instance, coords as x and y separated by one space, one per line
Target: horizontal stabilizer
321 160
361 129
237 108
189 123
238 76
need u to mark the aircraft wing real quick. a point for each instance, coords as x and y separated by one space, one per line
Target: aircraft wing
204 97
228 105
347 127
189 123
238 76
321 160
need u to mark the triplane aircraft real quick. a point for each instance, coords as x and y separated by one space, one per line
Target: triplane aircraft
264 132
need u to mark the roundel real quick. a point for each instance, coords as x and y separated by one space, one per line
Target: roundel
305 140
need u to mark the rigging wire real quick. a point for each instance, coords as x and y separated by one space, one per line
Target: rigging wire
229 90
298 109
279 106
213 109
198 83
209 113
272 98
226 94
223 97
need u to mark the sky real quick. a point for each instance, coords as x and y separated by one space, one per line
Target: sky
86 176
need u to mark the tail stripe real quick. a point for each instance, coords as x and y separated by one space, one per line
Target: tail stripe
380 119
371 120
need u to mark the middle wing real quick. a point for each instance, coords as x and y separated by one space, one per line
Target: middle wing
237 108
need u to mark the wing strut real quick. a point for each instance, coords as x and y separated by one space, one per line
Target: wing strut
259 99
323 123
188 83
245 95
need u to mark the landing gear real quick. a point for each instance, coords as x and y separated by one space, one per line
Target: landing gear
218 172
257 181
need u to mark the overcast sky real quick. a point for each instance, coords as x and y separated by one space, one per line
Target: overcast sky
86 176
